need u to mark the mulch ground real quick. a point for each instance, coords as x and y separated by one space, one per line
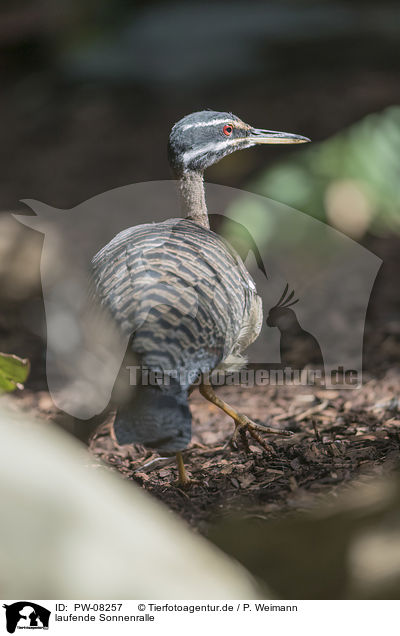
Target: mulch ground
337 436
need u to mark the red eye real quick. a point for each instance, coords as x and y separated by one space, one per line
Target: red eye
228 130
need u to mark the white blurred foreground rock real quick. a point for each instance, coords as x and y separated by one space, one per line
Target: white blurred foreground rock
70 531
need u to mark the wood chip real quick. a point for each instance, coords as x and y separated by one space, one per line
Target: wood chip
311 411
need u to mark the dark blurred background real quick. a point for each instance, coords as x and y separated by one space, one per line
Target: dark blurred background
91 88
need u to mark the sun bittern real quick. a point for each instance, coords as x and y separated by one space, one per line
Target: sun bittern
182 293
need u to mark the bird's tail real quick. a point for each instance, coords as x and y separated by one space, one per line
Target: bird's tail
157 417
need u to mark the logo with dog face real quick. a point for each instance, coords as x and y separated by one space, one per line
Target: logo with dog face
26 615
287 253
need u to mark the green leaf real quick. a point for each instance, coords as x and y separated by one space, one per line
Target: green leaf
367 154
13 372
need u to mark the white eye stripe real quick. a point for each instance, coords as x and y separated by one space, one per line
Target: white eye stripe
203 124
214 145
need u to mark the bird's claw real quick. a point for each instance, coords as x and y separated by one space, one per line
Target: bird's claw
185 484
243 424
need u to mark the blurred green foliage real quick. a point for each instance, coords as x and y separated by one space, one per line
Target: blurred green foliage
13 372
351 180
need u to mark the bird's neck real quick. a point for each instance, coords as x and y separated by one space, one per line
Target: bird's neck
193 199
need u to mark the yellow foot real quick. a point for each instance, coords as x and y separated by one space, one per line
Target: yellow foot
244 425
184 481
185 484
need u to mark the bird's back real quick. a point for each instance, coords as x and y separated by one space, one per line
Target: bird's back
182 292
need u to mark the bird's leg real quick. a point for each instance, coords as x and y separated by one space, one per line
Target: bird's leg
242 422
184 480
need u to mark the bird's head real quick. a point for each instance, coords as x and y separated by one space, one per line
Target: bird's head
281 315
201 139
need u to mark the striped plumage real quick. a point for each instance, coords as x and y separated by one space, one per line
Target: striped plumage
180 292
189 301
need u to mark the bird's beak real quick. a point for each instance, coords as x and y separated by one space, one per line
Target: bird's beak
259 136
